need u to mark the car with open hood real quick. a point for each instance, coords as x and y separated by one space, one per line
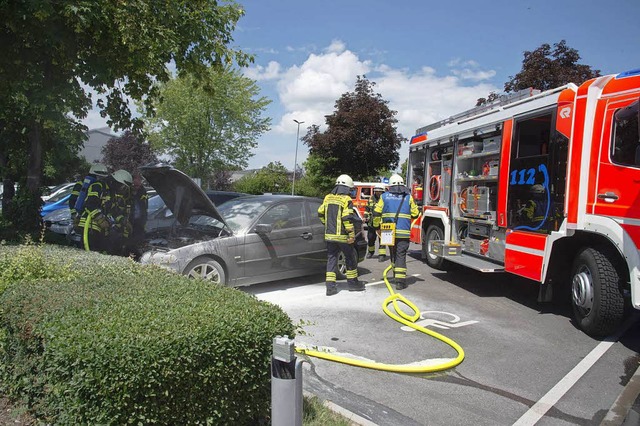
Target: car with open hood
244 241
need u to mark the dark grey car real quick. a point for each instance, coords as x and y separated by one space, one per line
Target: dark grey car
245 241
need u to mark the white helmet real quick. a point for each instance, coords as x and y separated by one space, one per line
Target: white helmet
537 189
378 187
123 177
396 179
99 170
345 180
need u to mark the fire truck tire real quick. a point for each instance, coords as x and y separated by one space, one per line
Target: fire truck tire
596 292
434 233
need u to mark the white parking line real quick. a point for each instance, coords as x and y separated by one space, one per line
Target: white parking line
547 402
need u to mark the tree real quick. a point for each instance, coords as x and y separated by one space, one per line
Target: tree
546 68
361 137
54 52
272 178
127 152
314 182
207 129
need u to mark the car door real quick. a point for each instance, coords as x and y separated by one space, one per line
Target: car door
284 250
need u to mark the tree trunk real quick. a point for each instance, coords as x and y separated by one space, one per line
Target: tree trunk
34 168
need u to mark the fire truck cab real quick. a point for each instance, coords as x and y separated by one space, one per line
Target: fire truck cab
541 185
361 193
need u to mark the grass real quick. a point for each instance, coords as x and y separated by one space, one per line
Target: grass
315 413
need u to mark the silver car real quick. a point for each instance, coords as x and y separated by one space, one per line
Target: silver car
245 241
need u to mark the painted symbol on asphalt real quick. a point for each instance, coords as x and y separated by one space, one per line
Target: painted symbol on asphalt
435 319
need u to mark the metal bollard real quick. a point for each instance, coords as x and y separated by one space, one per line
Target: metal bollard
286 384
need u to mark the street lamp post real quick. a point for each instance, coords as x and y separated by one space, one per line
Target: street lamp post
295 165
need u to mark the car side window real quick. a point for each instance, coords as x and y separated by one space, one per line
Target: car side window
283 216
314 220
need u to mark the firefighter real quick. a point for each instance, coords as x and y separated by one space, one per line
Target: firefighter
378 189
94 224
397 206
336 213
137 216
535 208
120 209
79 191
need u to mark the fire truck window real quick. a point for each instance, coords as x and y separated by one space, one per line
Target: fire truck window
626 139
532 136
365 193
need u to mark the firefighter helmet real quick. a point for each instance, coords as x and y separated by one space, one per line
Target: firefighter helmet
123 177
345 180
378 187
99 169
396 179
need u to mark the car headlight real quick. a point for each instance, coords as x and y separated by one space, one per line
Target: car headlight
166 260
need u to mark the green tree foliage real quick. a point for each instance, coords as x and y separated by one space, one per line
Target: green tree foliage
54 52
314 182
546 68
127 152
206 129
361 137
274 177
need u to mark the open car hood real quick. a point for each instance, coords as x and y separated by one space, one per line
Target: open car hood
181 194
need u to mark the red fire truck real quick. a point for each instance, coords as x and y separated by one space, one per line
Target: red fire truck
541 185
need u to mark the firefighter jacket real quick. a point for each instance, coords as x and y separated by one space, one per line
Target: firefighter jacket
121 208
139 206
336 213
368 210
79 191
399 202
97 207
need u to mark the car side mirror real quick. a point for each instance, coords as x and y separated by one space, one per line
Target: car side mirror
263 228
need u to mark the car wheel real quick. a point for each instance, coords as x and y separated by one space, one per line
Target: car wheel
342 264
434 233
596 294
206 269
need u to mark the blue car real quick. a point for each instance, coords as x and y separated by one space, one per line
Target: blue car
57 202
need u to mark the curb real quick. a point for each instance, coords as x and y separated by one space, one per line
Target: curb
626 408
353 417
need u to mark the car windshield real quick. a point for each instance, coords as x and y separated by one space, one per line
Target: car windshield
155 204
241 212
60 195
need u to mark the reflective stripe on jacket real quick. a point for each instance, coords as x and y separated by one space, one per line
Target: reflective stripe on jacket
387 207
336 213
97 204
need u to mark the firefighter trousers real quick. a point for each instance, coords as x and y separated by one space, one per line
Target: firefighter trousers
333 251
399 260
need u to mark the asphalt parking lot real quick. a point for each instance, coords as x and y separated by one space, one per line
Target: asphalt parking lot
526 363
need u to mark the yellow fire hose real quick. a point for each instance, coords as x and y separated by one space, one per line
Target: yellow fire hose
402 318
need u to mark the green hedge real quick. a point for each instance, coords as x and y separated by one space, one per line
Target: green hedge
104 340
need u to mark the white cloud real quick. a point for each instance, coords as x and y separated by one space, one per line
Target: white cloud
308 92
260 73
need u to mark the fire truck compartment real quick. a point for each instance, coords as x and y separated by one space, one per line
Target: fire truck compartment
443 249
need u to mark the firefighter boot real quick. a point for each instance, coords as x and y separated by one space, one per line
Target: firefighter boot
369 255
401 283
355 285
382 258
332 289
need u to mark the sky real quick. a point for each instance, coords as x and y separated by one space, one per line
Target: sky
428 59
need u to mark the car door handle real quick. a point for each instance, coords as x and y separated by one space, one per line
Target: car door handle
306 235
609 197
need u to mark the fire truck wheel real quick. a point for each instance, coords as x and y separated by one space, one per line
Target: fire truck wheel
434 233
596 292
